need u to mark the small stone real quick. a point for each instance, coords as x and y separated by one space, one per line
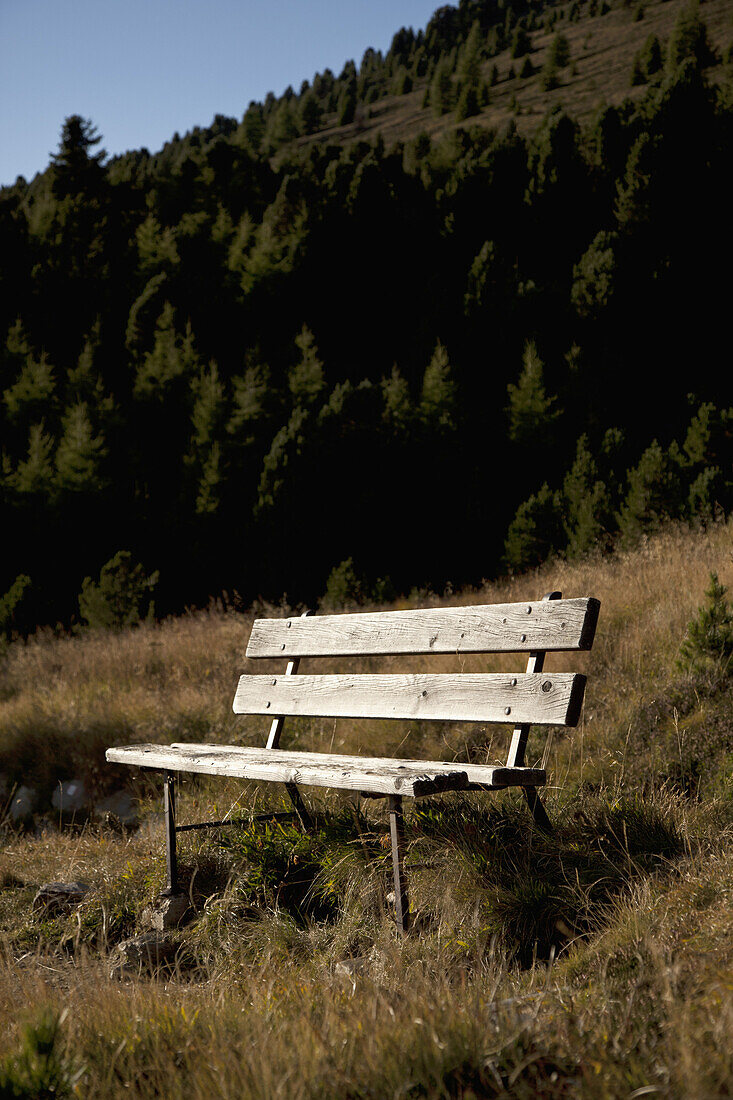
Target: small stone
349 968
70 796
166 912
119 806
55 897
145 953
23 801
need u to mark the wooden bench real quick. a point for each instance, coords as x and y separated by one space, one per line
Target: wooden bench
518 699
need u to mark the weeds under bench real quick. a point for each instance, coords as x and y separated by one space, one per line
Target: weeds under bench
524 699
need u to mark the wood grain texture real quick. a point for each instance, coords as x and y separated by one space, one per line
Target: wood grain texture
489 628
551 699
379 775
479 775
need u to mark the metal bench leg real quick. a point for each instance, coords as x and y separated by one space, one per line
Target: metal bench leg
397 832
303 816
539 813
169 807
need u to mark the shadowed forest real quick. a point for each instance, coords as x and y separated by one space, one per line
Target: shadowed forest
276 348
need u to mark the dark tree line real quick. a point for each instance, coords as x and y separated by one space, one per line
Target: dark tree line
438 360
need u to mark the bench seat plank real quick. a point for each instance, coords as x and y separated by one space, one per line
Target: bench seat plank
481 628
539 699
374 775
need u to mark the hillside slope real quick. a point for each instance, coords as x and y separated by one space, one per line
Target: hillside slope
602 51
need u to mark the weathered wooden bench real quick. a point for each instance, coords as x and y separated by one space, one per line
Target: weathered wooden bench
519 699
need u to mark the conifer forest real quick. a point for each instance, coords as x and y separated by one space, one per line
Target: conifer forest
293 343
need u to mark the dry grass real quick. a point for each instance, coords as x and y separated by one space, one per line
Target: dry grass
594 963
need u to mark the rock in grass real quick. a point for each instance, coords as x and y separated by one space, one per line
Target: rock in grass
166 912
70 797
350 968
56 897
146 953
118 807
22 804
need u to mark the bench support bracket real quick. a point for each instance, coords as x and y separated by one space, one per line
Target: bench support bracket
397 832
303 816
538 811
520 737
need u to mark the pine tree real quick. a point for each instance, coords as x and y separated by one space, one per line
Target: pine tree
531 411
211 478
142 312
708 641
156 246
173 357
278 240
638 76
35 474
282 125
9 603
79 453
346 110
647 61
76 169
121 597
403 82
633 205
17 345
396 394
559 52
481 276
593 276
438 400
344 587
441 89
468 103
249 401
469 65
311 113
251 131
306 379
85 383
689 41
535 532
651 56
284 453
241 243
32 390
654 494
521 42
586 500
207 412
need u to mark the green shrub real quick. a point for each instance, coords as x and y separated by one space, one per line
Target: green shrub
709 638
346 587
121 597
40 1071
8 604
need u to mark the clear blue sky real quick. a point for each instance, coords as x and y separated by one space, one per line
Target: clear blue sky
141 69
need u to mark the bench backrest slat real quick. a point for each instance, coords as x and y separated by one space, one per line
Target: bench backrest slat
542 699
491 628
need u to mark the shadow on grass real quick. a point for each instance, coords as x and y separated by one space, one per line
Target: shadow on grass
537 892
